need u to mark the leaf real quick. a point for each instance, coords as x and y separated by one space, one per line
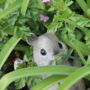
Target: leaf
11 8
19 47
24 6
80 47
83 47
88 3
79 53
77 20
44 84
8 47
20 83
74 77
87 35
40 4
59 5
34 71
1 1
83 5
56 23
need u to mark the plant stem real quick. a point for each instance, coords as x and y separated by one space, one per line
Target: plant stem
18 47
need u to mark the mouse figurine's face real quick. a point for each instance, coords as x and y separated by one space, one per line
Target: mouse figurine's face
45 49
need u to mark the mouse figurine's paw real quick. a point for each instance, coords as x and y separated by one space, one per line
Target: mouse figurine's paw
18 62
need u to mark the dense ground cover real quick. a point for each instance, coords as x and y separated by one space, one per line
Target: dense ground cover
69 19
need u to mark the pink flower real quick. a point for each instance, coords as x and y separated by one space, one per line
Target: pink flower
44 18
45 1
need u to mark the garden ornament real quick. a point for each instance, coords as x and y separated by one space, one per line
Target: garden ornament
45 49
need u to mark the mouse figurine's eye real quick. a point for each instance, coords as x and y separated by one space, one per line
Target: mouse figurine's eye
60 45
43 52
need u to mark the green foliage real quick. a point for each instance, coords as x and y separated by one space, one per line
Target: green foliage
7 49
88 3
48 82
69 19
20 83
34 71
10 8
24 6
77 75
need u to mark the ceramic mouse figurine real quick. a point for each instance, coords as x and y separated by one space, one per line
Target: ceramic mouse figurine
45 49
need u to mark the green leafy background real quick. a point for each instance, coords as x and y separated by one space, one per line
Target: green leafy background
69 19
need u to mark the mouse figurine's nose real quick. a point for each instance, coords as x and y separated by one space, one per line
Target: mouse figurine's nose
56 52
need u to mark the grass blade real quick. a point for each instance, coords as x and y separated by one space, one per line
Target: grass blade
11 8
24 7
74 77
78 46
44 84
33 71
6 50
83 5
88 3
18 47
41 4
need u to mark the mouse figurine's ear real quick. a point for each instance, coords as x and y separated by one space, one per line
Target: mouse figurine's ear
32 39
63 47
